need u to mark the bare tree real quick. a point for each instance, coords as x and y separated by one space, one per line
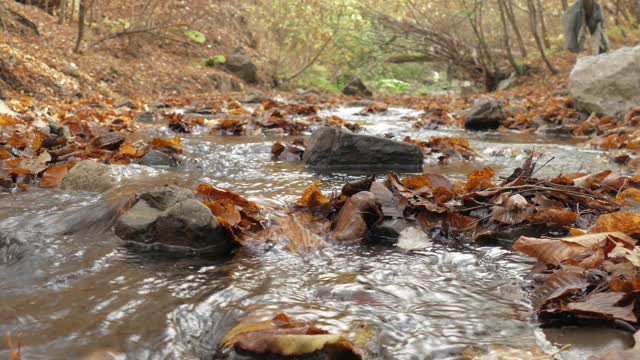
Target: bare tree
543 26
507 44
534 30
514 24
81 13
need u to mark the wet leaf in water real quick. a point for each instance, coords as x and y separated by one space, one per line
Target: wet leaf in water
557 285
503 352
605 305
312 197
577 249
288 337
225 210
172 145
356 217
210 194
300 238
14 350
52 177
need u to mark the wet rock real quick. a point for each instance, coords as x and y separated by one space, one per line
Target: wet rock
387 232
88 175
356 216
509 82
547 130
170 219
240 64
607 83
485 114
157 158
335 148
145 117
158 105
4 109
126 103
355 87
254 97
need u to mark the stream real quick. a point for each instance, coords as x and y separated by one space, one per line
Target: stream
75 291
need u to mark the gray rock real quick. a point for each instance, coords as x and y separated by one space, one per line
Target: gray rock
145 117
355 87
485 114
240 64
170 219
4 109
254 97
135 223
331 148
607 83
388 231
89 175
165 197
560 92
126 103
157 158
509 82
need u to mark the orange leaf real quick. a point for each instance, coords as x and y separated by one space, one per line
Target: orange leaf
622 221
130 150
480 179
53 176
560 216
312 197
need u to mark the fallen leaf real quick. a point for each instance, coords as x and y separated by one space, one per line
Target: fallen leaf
287 337
300 238
480 179
312 197
52 177
356 216
622 221
557 285
606 305
559 216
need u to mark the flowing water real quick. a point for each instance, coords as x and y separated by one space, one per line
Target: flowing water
75 291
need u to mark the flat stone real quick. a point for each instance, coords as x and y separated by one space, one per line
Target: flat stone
333 148
164 197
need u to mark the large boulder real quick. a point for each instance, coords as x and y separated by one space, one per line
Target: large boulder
240 64
171 219
355 87
485 114
89 175
607 83
335 148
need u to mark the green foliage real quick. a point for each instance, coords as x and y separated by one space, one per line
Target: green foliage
215 61
196 36
318 77
392 84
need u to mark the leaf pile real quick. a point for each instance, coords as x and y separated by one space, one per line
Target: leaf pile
482 208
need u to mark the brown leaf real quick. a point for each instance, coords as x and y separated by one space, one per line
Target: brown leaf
578 248
560 216
287 337
312 197
356 216
480 179
172 145
605 305
622 221
33 166
300 238
52 177
225 210
130 150
557 285
210 193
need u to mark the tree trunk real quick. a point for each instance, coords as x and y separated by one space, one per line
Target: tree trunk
543 26
73 9
534 30
507 45
565 5
512 19
81 13
63 11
